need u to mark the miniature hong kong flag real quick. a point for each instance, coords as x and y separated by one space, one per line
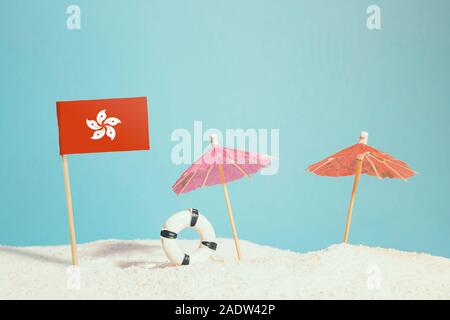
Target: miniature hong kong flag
103 125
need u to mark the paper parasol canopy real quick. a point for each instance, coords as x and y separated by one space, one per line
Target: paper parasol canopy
361 159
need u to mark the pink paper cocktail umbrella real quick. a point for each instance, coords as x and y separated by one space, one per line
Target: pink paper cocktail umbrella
360 159
220 165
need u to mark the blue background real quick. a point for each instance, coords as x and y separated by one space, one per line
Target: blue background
310 68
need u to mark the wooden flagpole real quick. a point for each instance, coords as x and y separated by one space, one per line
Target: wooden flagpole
73 241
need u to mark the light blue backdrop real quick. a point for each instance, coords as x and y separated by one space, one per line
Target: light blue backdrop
310 68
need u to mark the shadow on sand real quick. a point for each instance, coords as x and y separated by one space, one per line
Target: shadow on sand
133 252
26 253
102 250
144 264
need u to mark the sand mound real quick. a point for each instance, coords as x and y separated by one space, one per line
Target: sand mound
115 269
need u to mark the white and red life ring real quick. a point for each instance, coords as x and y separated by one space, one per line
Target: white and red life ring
188 219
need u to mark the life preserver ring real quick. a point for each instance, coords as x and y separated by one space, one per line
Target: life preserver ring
185 219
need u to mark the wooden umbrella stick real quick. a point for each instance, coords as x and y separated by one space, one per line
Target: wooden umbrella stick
358 170
230 212
73 241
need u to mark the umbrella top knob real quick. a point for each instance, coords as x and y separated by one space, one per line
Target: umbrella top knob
363 137
214 139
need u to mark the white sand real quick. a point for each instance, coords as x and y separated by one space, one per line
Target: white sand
116 269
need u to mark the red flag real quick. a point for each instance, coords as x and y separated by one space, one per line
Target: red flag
103 125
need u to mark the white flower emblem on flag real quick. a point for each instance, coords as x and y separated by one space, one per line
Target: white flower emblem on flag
103 125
